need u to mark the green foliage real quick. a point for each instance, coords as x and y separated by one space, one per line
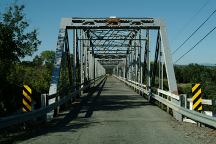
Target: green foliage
194 73
16 41
184 88
46 58
37 78
24 43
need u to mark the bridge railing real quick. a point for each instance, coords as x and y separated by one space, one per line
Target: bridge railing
20 118
199 117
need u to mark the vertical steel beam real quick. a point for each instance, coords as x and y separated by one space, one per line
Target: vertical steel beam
77 64
132 65
126 65
159 68
86 59
169 68
93 63
124 68
81 59
168 61
67 50
154 70
147 65
136 61
75 59
117 70
87 63
140 58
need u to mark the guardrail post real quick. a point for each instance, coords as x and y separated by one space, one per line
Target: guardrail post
149 95
214 111
177 115
185 97
43 100
43 103
183 100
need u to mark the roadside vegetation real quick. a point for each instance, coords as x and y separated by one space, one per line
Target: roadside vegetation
17 40
186 75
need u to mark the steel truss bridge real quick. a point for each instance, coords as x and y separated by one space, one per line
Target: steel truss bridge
120 45
134 51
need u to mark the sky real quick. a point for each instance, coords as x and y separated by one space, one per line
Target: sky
182 17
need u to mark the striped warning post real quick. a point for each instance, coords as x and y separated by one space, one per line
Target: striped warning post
197 98
26 101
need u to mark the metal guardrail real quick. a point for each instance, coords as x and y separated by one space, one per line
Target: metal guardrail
204 101
89 82
15 119
205 119
167 93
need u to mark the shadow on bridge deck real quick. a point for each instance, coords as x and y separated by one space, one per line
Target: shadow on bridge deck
109 95
110 113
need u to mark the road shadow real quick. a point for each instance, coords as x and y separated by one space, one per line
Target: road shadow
58 124
94 101
115 103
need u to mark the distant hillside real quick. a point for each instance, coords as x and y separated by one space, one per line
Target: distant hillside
207 64
202 64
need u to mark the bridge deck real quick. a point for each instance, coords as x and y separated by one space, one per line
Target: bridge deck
117 115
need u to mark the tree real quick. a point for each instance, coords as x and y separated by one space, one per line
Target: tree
6 42
15 43
45 58
24 43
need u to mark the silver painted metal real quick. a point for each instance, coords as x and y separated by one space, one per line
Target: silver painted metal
208 120
168 60
169 67
205 119
75 45
204 101
106 23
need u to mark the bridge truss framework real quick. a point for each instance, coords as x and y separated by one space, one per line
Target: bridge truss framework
120 46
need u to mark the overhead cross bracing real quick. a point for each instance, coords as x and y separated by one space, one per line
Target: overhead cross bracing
111 41
111 38
114 39
119 46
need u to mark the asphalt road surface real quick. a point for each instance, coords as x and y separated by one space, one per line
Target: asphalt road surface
117 115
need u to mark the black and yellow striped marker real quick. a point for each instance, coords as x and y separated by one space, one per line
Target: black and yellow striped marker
26 101
197 98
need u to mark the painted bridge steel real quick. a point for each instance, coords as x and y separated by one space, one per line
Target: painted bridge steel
119 46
